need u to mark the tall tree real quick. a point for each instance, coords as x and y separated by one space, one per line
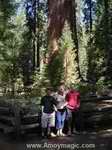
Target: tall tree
36 12
31 23
75 32
9 44
58 12
89 19
108 37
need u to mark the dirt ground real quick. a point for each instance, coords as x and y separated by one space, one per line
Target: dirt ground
87 141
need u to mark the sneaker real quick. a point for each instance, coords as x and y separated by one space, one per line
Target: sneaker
69 133
58 133
62 134
52 134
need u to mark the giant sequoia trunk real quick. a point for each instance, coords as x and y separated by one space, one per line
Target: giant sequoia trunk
59 12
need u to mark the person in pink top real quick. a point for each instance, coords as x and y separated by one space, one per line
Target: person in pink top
73 105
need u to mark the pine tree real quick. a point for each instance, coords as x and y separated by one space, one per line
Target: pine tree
70 64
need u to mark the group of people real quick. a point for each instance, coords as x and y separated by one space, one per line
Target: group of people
58 108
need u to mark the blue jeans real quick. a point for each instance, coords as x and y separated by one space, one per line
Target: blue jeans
60 119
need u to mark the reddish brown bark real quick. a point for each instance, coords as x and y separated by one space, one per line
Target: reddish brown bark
59 12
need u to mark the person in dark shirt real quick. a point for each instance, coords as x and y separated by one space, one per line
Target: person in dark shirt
48 104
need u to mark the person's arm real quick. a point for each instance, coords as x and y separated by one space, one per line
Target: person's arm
55 104
55 108
66 102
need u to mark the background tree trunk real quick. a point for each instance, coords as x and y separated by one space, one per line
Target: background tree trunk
108 36
58 12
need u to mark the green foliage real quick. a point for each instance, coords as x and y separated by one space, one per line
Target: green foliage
17 55
99 44
66 41
56 69
9 46
84 88
40 82
102 87
11 40
100 83
62 66
71 70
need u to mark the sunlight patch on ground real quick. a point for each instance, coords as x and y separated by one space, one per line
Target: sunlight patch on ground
105 133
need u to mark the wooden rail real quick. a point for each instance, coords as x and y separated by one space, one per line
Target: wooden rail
95 113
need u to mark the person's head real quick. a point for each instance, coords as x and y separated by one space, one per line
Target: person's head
49 91
61 88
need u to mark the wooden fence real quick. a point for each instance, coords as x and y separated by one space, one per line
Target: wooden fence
96 113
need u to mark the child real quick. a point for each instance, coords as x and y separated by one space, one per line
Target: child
48 103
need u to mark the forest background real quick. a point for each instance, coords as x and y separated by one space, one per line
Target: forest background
48 42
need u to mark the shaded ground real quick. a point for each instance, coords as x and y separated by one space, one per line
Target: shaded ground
98 114
96 141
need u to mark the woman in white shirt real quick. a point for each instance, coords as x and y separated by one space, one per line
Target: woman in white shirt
61 110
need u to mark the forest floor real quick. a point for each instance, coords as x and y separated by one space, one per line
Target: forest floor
90 140
101 140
